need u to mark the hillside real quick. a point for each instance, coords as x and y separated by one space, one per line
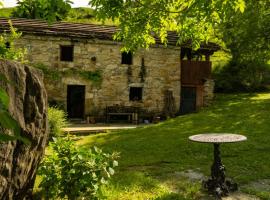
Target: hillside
79 15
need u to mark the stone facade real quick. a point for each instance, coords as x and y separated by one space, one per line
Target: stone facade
162 72
208 92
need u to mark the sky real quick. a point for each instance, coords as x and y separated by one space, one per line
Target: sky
76 3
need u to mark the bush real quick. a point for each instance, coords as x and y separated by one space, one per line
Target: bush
241 77
75 173
57 120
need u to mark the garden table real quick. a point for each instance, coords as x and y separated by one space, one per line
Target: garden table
218 184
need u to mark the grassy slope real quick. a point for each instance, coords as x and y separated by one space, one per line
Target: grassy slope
164 148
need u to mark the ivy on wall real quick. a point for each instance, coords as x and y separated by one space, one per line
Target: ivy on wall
95 77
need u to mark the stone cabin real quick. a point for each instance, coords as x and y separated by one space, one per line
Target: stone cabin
86 73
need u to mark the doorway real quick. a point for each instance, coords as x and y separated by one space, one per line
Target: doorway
188 100
75 101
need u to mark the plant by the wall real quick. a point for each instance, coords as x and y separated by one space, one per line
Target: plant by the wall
57 120
50 74
95 77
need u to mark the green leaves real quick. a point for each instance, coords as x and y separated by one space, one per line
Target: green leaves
247 34
50 10
240 5
75 173
7 48
142 21
4 100
57 119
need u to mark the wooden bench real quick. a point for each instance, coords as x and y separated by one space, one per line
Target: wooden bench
118 111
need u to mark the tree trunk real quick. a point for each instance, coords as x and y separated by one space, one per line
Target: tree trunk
28 105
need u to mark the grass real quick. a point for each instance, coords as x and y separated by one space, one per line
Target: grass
150 156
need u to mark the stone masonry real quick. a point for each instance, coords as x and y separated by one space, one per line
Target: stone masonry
162 67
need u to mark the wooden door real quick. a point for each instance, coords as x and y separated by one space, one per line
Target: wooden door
75 101
188 100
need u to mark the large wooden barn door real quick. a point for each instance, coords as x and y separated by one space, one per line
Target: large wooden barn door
188 100
75 101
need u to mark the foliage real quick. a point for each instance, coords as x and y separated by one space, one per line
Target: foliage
55 75
246 35
241 77
7 47
80 15
50 10
57 120
140 21
8 51
74 173
50 74
164 148
94 76
6 12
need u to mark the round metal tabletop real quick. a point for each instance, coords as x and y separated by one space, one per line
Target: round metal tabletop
217 138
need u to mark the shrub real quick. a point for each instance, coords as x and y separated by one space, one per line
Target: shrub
75 173
241 77
57 120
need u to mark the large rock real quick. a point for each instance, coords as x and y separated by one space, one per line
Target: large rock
28 105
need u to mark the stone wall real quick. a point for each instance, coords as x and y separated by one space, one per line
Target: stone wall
208 92
162 67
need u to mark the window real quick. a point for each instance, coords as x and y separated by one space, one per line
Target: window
127 58
66 53
135 94
7 44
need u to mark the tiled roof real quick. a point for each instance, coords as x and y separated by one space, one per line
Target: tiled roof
79 30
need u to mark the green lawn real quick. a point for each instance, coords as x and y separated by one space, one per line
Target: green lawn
151 156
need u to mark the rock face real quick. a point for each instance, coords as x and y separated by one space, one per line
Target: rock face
28 105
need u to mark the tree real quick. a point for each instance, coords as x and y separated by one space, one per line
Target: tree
140 21
247 35
50 10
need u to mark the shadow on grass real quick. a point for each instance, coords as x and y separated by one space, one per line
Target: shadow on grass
167 142
171 196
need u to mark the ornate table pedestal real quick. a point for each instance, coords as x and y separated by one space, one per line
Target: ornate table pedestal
218 184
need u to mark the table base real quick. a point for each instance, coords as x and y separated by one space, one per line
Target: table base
217 184
220 189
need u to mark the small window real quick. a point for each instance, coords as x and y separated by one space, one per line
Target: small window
66 53
127 58
135 94
7 44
